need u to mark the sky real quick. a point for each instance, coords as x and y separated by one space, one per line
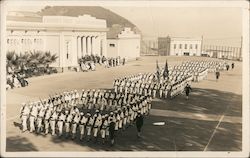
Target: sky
221 26
215 24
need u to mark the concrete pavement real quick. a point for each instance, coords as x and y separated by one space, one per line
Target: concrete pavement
209 120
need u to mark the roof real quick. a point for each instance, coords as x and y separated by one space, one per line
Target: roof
120 32
185 38
24 20
23 16
114 31
180 38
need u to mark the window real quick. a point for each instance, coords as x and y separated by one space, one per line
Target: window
174 46
8 41
191 46
180 46
196 46
111 45
185 46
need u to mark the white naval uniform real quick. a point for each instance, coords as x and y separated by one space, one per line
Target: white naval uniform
24 117
53 122
33 116
60 122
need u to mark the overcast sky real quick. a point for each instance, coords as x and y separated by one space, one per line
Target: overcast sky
217 25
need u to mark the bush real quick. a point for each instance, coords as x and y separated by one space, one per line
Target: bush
30 63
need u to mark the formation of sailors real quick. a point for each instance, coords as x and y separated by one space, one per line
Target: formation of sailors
84 115
88 114
178 77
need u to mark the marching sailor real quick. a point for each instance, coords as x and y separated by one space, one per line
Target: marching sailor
25 110
74 125
33 116
53 120
60 122
82 125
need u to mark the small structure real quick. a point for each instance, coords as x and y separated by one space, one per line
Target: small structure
123 42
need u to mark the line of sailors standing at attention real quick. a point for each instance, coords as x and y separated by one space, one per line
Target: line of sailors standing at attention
178 77
88 62
84 115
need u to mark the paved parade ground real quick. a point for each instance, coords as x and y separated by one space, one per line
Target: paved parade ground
210 120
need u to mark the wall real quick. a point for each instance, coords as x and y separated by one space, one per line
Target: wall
53 45
129 48
112 51
164 45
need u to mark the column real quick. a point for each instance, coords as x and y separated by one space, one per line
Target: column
86 44
79 47
92 44
101 47
97 45
89 45
83 46
61 54
228 52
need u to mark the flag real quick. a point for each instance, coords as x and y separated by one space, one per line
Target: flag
157 70
165 73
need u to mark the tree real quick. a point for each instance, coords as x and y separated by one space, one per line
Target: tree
30 60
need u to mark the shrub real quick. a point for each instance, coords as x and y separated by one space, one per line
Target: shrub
30 63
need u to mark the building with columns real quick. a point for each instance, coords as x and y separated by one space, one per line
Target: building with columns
69 38
123 42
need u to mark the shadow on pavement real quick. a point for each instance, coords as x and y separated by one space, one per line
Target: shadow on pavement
178 134
19 125
203 101
18 143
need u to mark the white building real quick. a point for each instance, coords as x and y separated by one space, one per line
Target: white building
179 46
123 42
68 37
185 46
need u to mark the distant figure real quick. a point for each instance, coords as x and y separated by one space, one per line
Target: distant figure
123 61
232 65
187 90
217 73
227 66
139 123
